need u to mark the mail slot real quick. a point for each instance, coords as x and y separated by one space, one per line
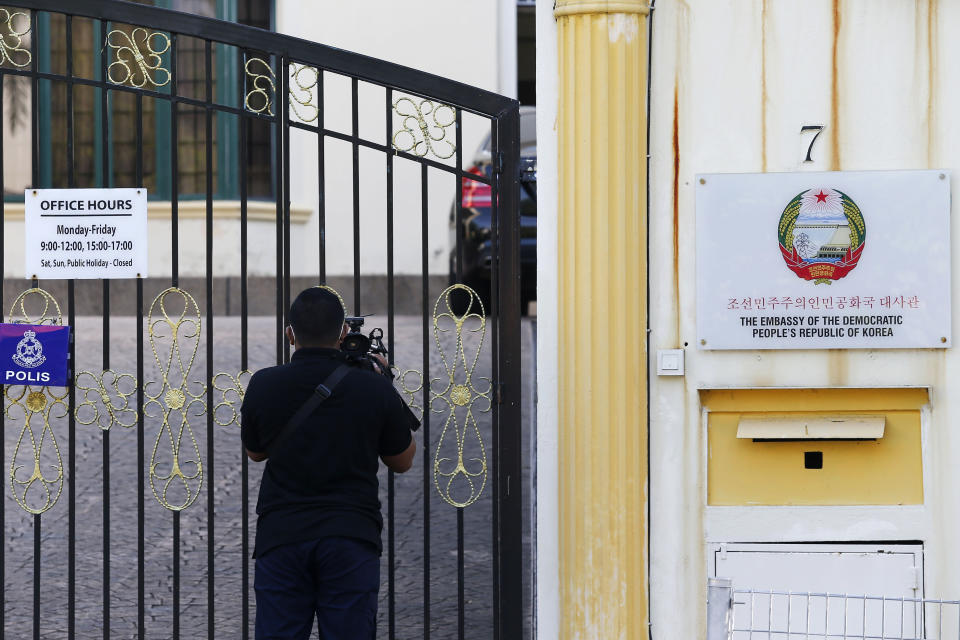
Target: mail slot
811 427
814 446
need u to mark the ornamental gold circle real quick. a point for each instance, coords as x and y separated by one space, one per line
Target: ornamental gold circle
460 395
174 398
36 401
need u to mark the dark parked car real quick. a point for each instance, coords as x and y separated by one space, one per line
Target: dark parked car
474 231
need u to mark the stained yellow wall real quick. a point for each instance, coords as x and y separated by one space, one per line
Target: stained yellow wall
888 470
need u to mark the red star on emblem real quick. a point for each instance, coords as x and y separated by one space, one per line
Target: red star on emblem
821 197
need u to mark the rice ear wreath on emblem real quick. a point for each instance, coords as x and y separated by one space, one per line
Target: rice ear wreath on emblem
822 234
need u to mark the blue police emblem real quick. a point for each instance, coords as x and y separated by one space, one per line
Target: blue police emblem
29 352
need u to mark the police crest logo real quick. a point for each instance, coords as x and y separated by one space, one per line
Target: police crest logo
822 234
29 352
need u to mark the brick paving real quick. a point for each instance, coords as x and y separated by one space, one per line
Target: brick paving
224 472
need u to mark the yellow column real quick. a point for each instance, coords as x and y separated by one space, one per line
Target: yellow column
602 268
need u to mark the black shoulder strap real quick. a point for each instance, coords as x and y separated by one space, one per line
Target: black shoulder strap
319 395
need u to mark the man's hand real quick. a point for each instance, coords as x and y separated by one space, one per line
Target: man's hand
380 364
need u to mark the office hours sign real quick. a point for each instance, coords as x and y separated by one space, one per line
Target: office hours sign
85 233
838 260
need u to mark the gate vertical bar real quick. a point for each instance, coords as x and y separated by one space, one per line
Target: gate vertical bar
208 63
244 364
458 225
508 514
391 480
458 203
174 168
284 108
36 576
34 91
141 584
425 295
106 180
461 616
283 348
176 575
71 320
355 107
495 371
3 388
175 281
35 146
321 180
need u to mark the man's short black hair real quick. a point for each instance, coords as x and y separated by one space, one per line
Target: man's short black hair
316 317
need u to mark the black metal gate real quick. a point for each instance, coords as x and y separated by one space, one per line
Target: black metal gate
127 508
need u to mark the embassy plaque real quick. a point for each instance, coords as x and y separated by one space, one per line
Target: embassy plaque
838 260
85 233
35 355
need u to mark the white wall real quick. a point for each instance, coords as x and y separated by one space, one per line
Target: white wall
548 359
742 78
456 39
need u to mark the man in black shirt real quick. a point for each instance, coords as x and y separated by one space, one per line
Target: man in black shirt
318 541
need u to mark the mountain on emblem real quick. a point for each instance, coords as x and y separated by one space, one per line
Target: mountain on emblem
821 234
29 351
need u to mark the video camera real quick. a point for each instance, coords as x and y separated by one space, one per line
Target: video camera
361 348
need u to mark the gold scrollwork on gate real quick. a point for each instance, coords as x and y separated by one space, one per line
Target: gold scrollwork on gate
173 323
259 98
112 390
459 480
231 390
421 136
303 82
11 42
38 489
138 64
411 385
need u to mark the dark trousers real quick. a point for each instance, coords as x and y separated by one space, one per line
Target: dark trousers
334 579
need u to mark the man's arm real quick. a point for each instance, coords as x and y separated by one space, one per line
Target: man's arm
256 456
399 463
248 429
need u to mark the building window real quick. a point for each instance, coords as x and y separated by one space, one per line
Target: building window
157 114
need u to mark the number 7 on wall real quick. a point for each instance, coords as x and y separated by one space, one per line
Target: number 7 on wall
811 127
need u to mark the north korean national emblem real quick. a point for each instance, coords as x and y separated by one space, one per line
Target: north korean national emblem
29 351
822 235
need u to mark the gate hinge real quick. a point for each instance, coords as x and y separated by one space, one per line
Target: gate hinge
498 165
498 393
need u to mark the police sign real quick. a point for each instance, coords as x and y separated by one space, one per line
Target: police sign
35 354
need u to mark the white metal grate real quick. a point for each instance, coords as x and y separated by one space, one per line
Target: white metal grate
783 615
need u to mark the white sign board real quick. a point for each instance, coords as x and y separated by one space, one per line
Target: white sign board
86 233
842 260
